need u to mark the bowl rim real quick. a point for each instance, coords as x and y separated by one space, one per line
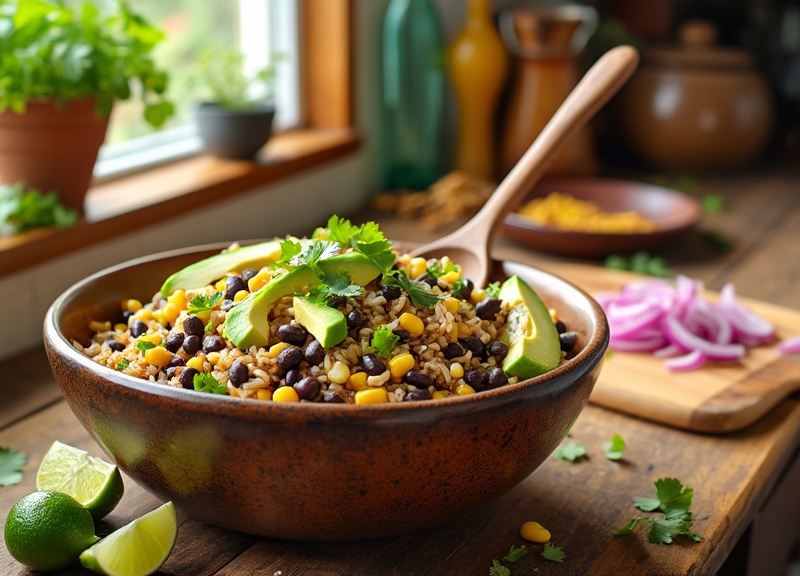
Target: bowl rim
591 354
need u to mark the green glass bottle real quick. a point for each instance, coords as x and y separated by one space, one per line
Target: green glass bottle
412 95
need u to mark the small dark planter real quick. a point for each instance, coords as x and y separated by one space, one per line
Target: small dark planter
232 134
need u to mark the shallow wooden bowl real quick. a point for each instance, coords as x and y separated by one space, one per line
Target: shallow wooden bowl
313 471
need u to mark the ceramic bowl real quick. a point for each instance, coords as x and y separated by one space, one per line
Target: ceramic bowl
311 471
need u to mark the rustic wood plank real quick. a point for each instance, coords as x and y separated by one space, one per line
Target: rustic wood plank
26 385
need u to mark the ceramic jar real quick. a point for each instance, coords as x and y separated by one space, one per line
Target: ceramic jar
696 107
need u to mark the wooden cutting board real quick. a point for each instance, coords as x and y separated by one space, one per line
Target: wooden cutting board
715 398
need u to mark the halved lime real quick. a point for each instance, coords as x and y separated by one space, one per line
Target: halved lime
94 483
138 548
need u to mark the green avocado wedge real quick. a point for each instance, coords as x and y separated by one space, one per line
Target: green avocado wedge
328 325
247 323
533 343
205 271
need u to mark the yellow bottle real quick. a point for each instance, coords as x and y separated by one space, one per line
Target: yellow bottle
478 63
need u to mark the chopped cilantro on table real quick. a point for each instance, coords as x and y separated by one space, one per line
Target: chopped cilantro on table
205 382
553 553
570 452
674 501
11 463
384 341
515 553
498 569
203 303
615 447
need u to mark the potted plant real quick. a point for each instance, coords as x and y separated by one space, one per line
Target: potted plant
63 69
235 119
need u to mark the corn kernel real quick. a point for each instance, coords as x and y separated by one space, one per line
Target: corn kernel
275 349
204 315
120 327
213 358
451 305
456 370
131 305
171 312
417 267
159 317
372 396
553 314
339 373
264 394
195 362
220 284
154 339
240 295
534 532
477 295
439 394
178 298
464 389
357 381
412 324
401 364
285 394
463 330
97 326
451 277
145 315
158 356
259 280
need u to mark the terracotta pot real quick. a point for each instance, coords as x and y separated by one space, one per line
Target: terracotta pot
52 147
234 134
696 107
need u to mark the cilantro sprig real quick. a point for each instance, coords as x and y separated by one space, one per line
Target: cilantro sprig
615 447
202 303
514 554
383 341
553 553
674 501
205 382
11 464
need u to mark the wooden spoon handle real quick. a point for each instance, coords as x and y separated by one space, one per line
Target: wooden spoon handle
596 88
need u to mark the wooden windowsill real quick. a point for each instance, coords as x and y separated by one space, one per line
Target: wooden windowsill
126 204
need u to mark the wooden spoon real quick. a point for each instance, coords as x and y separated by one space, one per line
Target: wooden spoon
469 245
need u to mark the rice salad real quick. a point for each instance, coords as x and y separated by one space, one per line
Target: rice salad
336 318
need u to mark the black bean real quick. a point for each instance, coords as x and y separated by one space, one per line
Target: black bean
174 341
138 328
428 279
314 353
290 357
247 274
336 301
213 343
402 334
191 344
467 286
193 326
473 344
373 365
238 373
227 305
453 350
560 326
416 395
568 340
332 397
488 308
498 349
234 284
116 345
293 376
354 320
497 378
176 361
126 314
419 379
186 377
476 379
307 388
391 292
292 334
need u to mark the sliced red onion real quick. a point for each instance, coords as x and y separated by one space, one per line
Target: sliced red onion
790 346
691 361
679 335
745 322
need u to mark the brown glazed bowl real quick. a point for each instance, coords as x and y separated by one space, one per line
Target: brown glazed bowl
311 471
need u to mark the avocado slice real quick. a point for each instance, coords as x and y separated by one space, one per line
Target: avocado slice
205 271
247 324
533 344
326 324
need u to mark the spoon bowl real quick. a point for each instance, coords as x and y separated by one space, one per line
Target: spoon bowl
470 244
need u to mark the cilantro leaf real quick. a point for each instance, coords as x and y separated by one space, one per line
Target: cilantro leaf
341 230
712 203
144 345
437 271
11 463
615 447
122 363
367 239
492 290
419 296
289 249
498 569
664 530
553 553
205 382
671 496
570 451
202 303
674 500
384 340
515 553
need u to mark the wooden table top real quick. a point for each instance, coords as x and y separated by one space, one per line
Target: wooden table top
581 503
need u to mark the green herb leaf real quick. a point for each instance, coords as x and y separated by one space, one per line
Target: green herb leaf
419 296
615 447
202 303
11 463
122 363
492 290
640 262
289 249
674 500
384 341
553 553
671 496
144 345
23 209
205 382
515 553
498 569
570 451
367 239
713 203
437 271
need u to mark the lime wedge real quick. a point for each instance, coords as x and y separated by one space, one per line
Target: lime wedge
138 548
94 483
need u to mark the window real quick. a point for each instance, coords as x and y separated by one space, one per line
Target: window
260 28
